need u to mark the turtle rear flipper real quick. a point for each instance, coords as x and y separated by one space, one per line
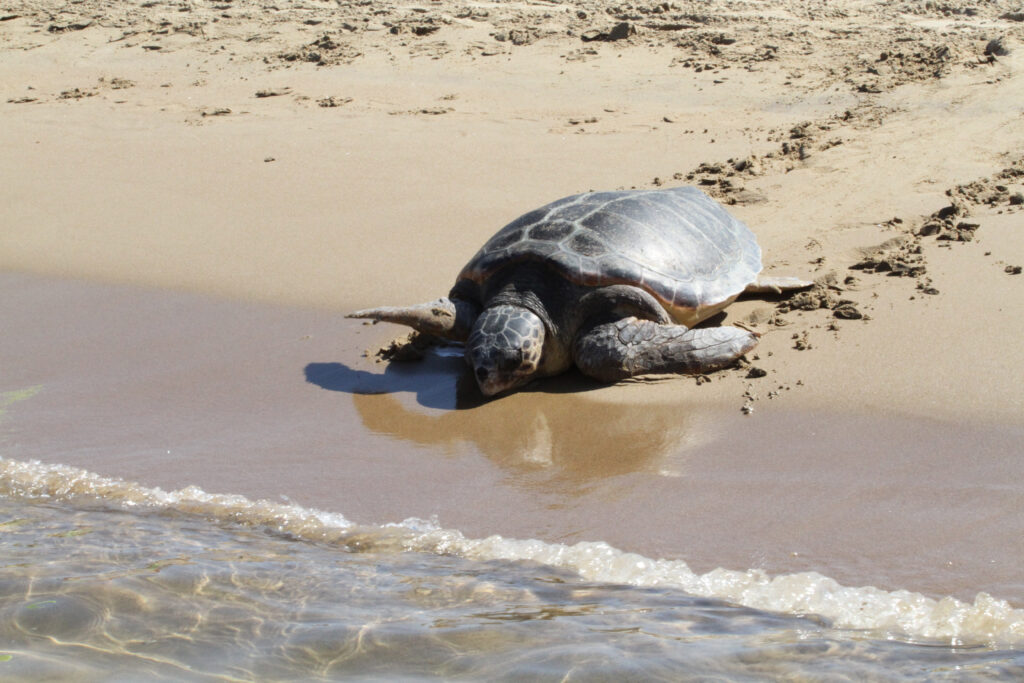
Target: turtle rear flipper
447 318
777 285
628 347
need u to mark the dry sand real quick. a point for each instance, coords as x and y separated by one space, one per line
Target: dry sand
277 164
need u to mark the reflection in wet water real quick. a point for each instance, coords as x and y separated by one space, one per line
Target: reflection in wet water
550 424
583 438
87 591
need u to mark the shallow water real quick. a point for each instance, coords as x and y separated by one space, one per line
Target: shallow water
98 576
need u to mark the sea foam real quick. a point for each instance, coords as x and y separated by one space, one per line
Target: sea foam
900 614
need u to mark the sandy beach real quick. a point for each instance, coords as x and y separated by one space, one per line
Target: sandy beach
204 149
194 194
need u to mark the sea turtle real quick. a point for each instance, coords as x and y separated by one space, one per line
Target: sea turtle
612 282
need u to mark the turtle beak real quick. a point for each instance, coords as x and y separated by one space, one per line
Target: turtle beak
492 383
488 387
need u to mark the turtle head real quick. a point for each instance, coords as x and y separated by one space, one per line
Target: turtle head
504 348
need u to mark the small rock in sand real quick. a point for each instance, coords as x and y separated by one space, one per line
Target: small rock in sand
847 311
997 47
620 31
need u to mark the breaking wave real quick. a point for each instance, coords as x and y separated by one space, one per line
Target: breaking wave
900 614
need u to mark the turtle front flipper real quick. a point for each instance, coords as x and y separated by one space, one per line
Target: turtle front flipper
627 347
447 318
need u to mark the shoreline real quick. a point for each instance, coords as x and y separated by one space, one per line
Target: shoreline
985 623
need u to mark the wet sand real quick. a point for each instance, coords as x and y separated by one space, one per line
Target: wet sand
273 402
184 227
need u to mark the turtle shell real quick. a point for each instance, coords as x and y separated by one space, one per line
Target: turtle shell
678 244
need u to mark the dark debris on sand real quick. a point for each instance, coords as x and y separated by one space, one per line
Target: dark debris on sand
411 347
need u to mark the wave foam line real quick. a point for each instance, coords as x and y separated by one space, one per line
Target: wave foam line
899 614
40 482
987 621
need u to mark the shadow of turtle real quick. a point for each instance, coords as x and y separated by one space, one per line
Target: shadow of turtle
435 382
438 382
